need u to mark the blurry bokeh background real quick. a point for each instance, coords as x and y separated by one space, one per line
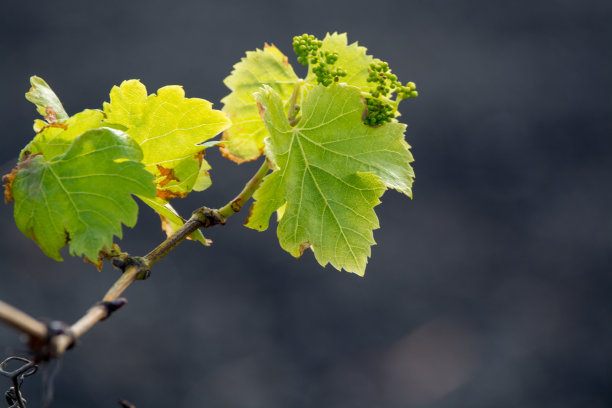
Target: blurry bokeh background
492 288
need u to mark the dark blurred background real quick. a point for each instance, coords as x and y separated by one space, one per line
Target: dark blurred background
492 288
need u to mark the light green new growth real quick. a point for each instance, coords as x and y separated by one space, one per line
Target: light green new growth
331 171
245 138
82 196
46 101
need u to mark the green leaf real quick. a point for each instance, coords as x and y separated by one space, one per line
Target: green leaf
46 101
351 58
332 169
170 129
82 196
245 138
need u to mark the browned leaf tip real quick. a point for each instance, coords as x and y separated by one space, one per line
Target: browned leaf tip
8 185
165 226
274 47
304 246
98 263
105 253
249 217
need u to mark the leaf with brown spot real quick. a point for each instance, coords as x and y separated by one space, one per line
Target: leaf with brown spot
172 131
167 175
46 101
199 156
169 195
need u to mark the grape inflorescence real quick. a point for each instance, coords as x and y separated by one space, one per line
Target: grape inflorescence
381 107
378 113
306 46
308 50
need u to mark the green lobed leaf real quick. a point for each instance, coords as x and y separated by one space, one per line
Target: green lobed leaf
170 129
331 171
245 138
82 196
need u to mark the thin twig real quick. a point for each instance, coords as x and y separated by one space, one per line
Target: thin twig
202 218
236 204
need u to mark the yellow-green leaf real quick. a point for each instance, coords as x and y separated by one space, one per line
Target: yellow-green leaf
170 129
244 140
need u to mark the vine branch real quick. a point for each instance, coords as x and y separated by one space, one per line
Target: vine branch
51 342
22 322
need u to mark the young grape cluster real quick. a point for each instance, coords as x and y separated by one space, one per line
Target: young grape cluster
381 107
379 112
305 46
384 83
308 50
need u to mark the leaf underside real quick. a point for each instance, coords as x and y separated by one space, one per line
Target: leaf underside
331 171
